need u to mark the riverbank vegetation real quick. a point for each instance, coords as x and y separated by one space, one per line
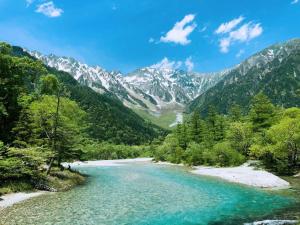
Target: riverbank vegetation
47 118
265 132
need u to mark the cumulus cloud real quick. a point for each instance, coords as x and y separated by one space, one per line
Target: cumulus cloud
228 26
181 30
232 34
49 9
189 64
294 2
165 63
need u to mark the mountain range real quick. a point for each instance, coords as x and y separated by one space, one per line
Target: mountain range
274 71
109 120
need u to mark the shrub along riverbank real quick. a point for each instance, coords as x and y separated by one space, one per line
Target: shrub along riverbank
264 132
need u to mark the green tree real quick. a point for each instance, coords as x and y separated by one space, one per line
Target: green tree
195 128
240 137
235 113
222 154
262 112
280 149
17 78
181 135
61 135
194 154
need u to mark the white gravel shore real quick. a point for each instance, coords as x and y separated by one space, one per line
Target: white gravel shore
244 174
11 199
116 162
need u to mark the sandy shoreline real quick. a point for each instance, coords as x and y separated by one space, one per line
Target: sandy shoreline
244 174
13 198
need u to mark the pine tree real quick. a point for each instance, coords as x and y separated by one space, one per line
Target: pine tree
195 128
262 112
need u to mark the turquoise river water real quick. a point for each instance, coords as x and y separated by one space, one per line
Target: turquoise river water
147 194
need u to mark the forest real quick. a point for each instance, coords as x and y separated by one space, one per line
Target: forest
266 132
47 118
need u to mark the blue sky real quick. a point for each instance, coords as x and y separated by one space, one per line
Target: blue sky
199 35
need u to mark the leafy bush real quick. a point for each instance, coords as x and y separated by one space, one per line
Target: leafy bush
194 154
223 154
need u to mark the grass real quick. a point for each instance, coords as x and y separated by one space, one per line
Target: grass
64 180
57 181
166 118
15 186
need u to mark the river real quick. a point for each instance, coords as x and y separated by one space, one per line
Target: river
146 193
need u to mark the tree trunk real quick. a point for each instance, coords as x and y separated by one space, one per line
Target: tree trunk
50 166
54 146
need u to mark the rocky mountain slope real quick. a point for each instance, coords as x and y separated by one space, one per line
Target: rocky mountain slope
149 88
274 71
111 120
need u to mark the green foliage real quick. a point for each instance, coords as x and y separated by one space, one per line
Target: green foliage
106 151
240 136
5 48
266 132
235 113
17 78
70 125
194 154
262 112
20 164
280 147
49 85
222 154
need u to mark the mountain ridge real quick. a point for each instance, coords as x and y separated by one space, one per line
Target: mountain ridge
156 90
273 71
148 88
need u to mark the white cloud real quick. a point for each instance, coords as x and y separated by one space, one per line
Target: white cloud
165 63
294 2
240 53
228 26
189 64
181 30
245 33
224 44
49 9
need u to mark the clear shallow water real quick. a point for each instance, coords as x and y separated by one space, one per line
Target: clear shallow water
147 194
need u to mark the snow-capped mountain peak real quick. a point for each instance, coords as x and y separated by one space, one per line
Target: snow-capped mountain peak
149 88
